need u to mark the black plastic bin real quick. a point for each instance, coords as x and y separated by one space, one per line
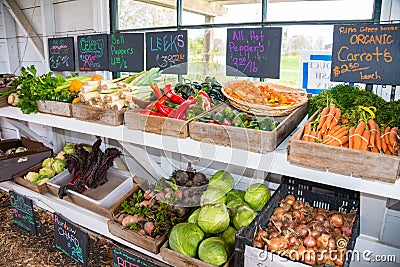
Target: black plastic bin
318 195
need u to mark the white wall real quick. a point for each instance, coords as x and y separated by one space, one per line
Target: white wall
71 18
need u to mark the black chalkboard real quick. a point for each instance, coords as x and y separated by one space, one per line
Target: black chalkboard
93 52
70 239
167 50
61 54
125 258
366 54
23 212
254 52
126 52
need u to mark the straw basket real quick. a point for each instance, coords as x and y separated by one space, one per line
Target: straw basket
297 94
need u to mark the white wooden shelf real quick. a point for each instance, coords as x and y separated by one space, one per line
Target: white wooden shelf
275 162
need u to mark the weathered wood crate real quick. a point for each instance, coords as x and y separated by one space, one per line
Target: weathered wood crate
351 162
98 115
158 125
54 107
19 179
179 260
3 101
247 139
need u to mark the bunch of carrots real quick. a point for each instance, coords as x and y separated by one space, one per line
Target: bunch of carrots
332 129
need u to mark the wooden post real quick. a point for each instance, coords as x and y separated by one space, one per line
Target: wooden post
48 26
208 44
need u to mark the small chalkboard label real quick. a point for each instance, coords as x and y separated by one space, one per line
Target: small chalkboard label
70 239
61 54
253 52
122 258
168 51
366 54
126 52
93 52
23 212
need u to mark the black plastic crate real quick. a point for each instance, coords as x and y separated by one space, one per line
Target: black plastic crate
318 195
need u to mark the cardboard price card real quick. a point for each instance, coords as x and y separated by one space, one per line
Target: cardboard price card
366 54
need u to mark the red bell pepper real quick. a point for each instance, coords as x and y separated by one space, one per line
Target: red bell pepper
182 108
169 92
205 100
156 90
150 112
163 109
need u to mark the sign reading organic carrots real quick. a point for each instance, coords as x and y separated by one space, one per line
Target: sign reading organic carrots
366 54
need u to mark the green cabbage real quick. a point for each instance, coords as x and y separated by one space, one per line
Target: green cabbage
32 177
257 195
185 238
46 172
221 180
47 162
60 155
58 165
194 216
229 237
213 218
212 196
234 205
243 217
213 250
234 195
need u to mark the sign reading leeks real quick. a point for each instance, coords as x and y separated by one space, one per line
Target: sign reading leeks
70 239
61 54
23 212
93 52
253 52
167 51
366 54
126 52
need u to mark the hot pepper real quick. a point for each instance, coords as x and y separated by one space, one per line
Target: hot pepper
150 112
156 90
182 108
163 109
205 100
172 96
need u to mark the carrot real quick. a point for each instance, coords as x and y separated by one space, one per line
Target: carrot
313 136
330 132
364 141
357 135
384 145
323 117
378 140
307 131
336 118
393 136
340 142
345 120
375 149
390 148
386 135
329 118
371 125
339 134
346 145
351 140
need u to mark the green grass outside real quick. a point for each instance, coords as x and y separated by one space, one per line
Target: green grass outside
290 62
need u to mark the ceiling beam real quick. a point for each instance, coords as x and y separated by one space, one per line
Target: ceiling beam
201 7
23 21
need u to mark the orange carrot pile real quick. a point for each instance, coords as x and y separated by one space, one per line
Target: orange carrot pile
331 129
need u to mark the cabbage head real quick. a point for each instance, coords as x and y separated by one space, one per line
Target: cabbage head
32 177
194 216
58 165
212 196
69 148
234 205
185 238
229 237
213 250
47 162
221 180
243 217
46 172
213 218
257 195
234 195
42 181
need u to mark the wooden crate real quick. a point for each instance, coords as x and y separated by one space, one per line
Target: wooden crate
351 162
179 260
3 101
19 179
106 212
247 139
54 108
98 115
158 125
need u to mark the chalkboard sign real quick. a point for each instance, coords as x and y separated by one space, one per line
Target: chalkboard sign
70 239
366 54
23 212
126 52
93 52
61 54
254 52
123 258
166 50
